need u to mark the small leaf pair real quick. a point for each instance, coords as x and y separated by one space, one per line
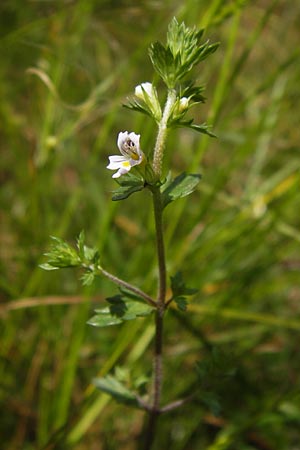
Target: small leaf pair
180 291
129 184
113 387
121 308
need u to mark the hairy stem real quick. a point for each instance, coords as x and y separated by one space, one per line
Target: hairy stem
162 133
161 299
162 273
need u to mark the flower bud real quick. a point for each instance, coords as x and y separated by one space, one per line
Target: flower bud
183 104
144 88
148 94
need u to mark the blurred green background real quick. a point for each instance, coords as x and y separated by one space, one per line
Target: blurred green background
66 68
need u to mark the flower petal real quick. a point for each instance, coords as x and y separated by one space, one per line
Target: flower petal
121 138
115 162
129 144
117 158
135 139
121 171
135 162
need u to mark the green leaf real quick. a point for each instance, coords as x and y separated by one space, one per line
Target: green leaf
136 106
182 40
128 185
205 50
80 244
88 278
203 128
91 255
117 306
180 291
192 92
110 385
128 309
47 266
120 309
163 62
179 287
184 45
87 254
181 186
181 303
104 319
124 192
61 255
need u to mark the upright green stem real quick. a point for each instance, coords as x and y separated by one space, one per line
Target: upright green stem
161 297
158 209
162 273
162 133
161 304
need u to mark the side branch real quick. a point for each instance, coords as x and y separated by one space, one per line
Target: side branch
128 286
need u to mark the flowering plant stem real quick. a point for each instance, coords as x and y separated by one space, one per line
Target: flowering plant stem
162 272
159 316
172 62
162 133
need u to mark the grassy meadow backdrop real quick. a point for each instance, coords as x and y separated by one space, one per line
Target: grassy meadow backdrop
66 68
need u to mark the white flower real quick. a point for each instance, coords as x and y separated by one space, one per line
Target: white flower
147 87
129 146
147 92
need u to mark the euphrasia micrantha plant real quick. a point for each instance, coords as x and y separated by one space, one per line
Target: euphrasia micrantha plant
135 170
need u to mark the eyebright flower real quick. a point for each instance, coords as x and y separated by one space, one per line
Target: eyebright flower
129 146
